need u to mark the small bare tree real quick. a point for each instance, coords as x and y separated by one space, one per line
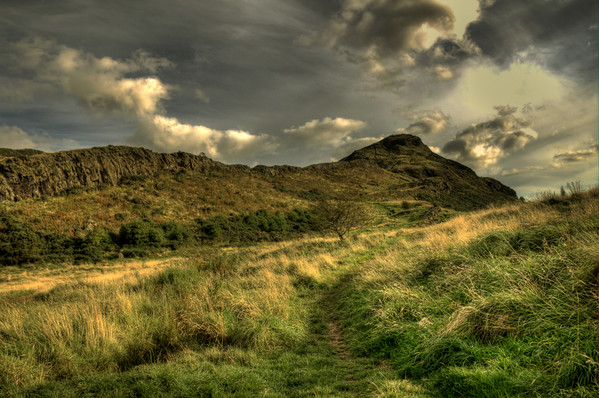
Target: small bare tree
341 216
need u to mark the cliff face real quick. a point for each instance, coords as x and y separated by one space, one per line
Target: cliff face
53 173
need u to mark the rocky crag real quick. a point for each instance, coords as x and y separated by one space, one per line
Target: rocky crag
50 174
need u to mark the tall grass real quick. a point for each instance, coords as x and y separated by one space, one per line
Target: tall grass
244 298
85 328
496 303
499 303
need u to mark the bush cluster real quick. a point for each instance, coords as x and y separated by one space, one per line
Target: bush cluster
254 227
21 244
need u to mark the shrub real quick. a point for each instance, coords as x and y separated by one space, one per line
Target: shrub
254 227
92 247
136 252
341 217
212 229
575 187
176 234
19 243
141 234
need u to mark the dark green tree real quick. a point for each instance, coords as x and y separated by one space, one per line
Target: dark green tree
341 216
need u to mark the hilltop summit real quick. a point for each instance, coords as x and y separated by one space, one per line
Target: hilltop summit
436 178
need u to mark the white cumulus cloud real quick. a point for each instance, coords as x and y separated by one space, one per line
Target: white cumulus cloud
101 84
575 156
105 85
168 134
131 88
327 131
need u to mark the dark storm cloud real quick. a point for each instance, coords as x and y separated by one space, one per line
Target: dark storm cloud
576 156
388 27
561 35
244 41
449 53
483 144
385 36
240 55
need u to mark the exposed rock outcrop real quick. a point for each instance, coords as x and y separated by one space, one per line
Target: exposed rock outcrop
53 173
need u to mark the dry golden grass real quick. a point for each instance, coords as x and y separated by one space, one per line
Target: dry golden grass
96 317
43 280
464 228
437 239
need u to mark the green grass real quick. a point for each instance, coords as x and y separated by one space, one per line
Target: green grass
513 313
214 327
497 303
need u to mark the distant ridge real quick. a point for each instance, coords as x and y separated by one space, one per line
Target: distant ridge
398 167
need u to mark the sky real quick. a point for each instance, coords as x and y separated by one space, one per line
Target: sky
507 87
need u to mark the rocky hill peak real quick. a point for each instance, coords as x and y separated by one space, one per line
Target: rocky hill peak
398 141
392 146
436 178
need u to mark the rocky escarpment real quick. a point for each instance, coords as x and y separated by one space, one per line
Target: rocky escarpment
52 173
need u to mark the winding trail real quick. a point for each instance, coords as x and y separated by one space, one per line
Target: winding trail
326 306
322 365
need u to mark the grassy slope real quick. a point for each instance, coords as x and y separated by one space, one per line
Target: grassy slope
188 196
501 302
183 194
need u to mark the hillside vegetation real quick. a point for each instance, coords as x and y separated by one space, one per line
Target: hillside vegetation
420 303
